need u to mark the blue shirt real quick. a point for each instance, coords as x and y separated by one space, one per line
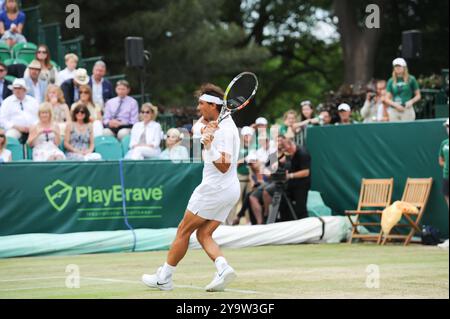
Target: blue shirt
2 88
7 22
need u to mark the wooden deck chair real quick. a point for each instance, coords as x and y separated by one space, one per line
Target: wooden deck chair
375 194
417 192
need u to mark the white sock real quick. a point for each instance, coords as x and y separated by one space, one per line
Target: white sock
167 271
221 264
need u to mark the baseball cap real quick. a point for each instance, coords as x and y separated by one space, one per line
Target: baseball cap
246 130
261 121
344 107
400 61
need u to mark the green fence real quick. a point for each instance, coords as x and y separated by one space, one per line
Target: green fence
84 197
342 156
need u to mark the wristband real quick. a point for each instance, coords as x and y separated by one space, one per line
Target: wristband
212 155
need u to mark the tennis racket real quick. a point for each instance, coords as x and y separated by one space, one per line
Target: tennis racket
239 94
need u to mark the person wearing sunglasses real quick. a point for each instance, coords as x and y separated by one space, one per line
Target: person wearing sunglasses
48 73
4 83
95 110
146 135
5 155
79 136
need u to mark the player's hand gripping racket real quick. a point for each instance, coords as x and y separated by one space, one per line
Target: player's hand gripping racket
238 95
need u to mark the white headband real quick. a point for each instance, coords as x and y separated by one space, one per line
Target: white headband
211 99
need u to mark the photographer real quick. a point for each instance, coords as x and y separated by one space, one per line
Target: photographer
296 165
375 107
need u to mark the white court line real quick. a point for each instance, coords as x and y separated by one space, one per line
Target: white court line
110 280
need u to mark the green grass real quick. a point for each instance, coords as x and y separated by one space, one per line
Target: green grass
303 271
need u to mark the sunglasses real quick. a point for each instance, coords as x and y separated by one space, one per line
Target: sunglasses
80 112
2 70
2 135
42 52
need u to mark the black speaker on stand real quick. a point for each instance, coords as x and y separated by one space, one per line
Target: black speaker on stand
135 57
412 45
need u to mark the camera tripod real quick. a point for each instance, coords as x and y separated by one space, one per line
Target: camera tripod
274 209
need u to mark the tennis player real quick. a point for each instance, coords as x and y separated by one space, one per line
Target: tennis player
213 200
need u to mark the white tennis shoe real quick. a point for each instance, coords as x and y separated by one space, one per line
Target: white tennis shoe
221 281
444 245
155 281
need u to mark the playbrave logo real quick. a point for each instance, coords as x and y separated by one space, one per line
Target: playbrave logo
59 195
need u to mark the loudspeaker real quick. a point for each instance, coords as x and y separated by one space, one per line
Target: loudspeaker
412 44
134 52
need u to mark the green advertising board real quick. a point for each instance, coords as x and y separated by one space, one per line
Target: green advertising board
82 197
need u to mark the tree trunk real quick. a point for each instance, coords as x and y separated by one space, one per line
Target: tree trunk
359 45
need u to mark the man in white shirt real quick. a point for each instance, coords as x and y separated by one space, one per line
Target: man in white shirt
19 111
213 200
36 87
68 73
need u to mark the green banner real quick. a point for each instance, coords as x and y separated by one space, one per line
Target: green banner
82 197
343 155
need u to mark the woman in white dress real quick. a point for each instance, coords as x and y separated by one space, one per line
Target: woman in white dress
45 137
5 155
174 151
146 135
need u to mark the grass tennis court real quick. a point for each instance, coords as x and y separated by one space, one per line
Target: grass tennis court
282 272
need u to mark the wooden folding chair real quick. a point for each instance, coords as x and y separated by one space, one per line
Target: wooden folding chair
375 194
417 192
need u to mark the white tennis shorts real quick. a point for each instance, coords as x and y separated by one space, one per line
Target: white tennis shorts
213 202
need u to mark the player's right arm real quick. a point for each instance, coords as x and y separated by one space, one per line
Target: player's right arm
221 160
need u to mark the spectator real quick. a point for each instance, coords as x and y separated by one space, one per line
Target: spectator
102 89
290 128
79 136
5 155
121 113
403 92
36 86
71 88
325 118
95 111
12 18
174 151
48 73
12 38
68 73
61 112
146 135
444 162
345 113
375 107
19 111
307 115
45 137
4 83
298 170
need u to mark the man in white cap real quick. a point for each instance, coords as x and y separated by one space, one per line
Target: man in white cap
345 112
19 111
444 163
71 87
35 86
403 92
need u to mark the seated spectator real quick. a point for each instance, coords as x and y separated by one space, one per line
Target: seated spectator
121 112
95 110
71 87
68 73
19 111
102 89
290 128
79 136
325 118
12 38
375 108
12 18
345 113
5 155
61 112
36 86
45 137
48 73
307 114
174 151
146 135
403 92
4 83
